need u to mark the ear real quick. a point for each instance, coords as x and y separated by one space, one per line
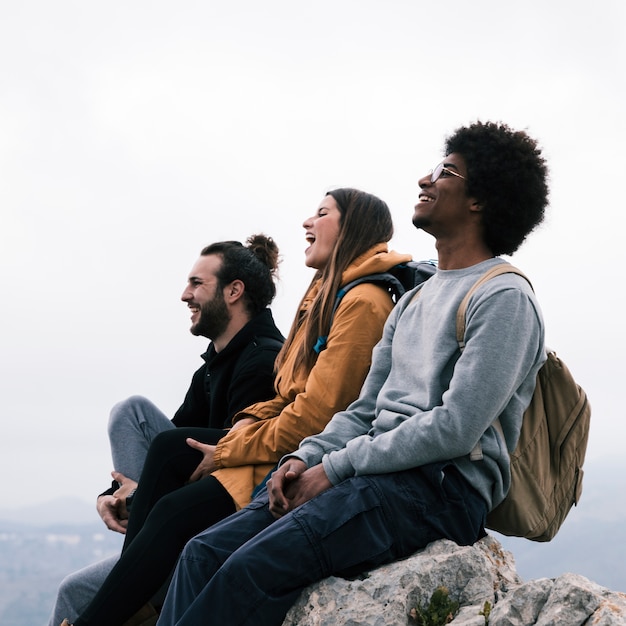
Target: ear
234 291
475 206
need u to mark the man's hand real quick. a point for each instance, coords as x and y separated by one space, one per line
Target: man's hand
206 466
107 507
127 485
112 509
292 484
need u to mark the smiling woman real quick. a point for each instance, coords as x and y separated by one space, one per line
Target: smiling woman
347 239
322 232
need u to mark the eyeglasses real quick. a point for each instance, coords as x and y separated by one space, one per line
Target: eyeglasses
442 170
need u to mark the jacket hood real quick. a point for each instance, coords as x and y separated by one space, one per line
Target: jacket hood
375 260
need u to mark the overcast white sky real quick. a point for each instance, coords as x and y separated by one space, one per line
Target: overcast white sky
134 133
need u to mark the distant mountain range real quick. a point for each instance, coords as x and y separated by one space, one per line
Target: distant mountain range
35 557
58 511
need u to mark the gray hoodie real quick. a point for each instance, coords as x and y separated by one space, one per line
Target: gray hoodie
424 401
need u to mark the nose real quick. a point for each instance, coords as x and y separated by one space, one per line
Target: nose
186 295
308 222
424 181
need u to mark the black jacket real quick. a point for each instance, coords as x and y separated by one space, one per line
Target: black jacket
230 380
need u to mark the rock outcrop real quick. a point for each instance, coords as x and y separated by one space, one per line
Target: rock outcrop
482 578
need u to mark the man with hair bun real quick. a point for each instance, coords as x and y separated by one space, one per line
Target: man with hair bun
228 292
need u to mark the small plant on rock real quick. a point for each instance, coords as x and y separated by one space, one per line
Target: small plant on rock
439 611
486 611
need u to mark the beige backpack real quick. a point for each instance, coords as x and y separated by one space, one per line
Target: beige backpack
546 465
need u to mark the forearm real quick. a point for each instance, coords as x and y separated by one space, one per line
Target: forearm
333 383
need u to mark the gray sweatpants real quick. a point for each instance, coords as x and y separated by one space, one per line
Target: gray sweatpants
77 590
133 424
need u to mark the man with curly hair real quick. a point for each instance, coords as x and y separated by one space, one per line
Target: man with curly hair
396 470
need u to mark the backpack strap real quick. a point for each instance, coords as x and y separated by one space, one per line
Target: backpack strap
504 268
383 279
397 280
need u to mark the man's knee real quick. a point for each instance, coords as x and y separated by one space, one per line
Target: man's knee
168 443
200 550
126 410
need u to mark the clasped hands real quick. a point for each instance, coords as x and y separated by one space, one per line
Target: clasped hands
293 484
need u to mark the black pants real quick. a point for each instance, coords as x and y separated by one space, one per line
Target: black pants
166 513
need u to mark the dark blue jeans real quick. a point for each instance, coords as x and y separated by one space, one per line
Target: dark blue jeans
250 568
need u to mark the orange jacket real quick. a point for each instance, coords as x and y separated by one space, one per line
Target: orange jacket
303 406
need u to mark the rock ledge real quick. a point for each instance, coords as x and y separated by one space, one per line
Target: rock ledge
481 573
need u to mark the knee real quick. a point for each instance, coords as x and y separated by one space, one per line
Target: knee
200 549
123 411
191 551
168 510
167 519
169 442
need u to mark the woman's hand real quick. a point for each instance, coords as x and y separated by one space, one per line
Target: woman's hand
207 465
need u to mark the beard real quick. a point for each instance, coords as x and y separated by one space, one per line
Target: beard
214 318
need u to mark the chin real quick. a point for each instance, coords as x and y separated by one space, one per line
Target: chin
419 222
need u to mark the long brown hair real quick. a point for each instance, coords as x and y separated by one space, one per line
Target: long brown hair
365 221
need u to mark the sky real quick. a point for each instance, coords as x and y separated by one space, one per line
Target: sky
132 134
